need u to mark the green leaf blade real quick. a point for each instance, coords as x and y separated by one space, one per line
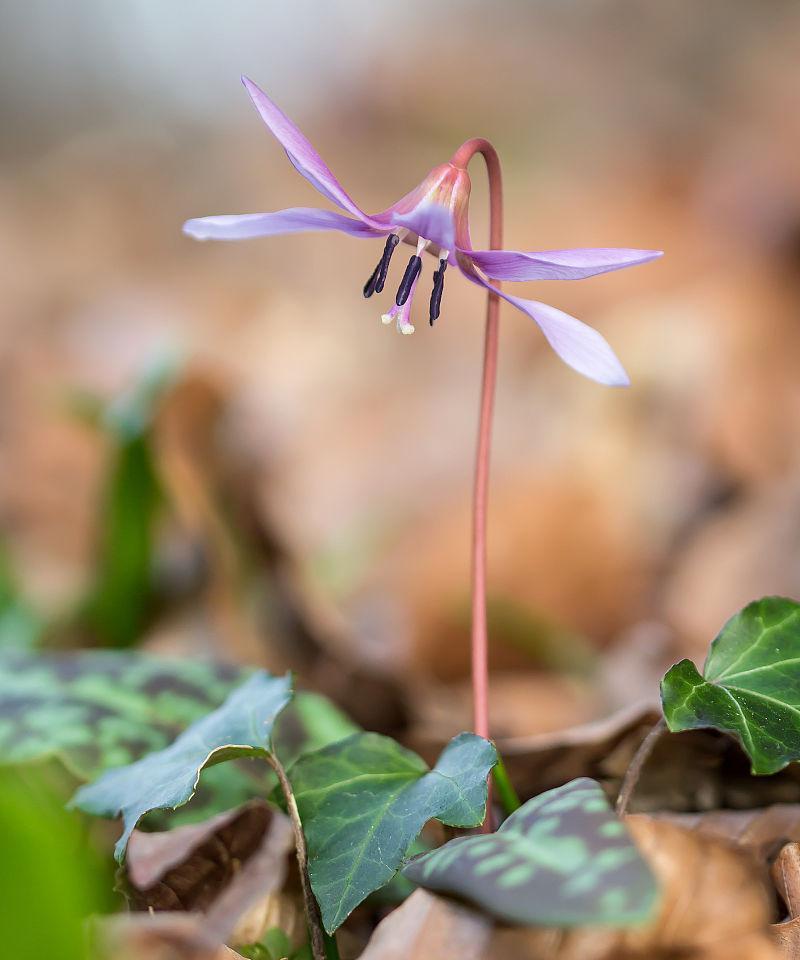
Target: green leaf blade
750 686
562 859
94 710
166 779
364 800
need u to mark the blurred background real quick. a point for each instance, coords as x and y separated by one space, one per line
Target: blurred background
218 448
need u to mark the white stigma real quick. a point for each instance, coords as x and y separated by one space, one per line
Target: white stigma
386 318
406 328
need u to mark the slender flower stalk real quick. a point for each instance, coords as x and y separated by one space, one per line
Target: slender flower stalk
480 634
433 218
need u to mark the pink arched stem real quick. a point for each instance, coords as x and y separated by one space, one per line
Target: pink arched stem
480 640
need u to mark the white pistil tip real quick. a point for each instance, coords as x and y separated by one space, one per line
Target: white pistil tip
407 328
386 319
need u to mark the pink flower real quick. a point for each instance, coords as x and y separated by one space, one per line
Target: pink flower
433 217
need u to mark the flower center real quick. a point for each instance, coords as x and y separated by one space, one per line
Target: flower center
401 311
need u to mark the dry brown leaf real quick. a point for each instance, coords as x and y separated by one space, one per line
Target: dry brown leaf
786 876
427 927
716 898
541 762
787 937
764 832
697 770
231 868
162 936
520 702
215 484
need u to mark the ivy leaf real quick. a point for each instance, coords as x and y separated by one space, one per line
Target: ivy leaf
242 726
364 800
562 859
750 686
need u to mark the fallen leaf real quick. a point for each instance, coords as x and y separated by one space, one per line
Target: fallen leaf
786 876
543 761
162 936
696 770
763 831
427 927
787 937
216 483
234 858
520 702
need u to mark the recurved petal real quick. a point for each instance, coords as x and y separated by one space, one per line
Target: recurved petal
557 264
304 157
578 345
294 220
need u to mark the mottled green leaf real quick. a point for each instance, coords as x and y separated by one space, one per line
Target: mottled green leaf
562 859
100 709
364 800
750 686
242 726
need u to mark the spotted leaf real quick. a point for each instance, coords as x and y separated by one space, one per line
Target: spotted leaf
562 859
93 710
364 800
241 727
750 685
101 709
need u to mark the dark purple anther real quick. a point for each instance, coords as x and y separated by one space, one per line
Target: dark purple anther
438 290
411 274
378 278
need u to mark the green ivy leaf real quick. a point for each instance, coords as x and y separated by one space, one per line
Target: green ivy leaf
241 727
563 859
750 686
101 709
364 800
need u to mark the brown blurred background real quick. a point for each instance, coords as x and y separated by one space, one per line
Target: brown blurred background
626 526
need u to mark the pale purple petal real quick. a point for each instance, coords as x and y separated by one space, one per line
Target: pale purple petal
578 345
304 157
295 220
429 220
557 264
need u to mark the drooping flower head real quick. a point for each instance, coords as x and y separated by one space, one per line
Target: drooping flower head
434 219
